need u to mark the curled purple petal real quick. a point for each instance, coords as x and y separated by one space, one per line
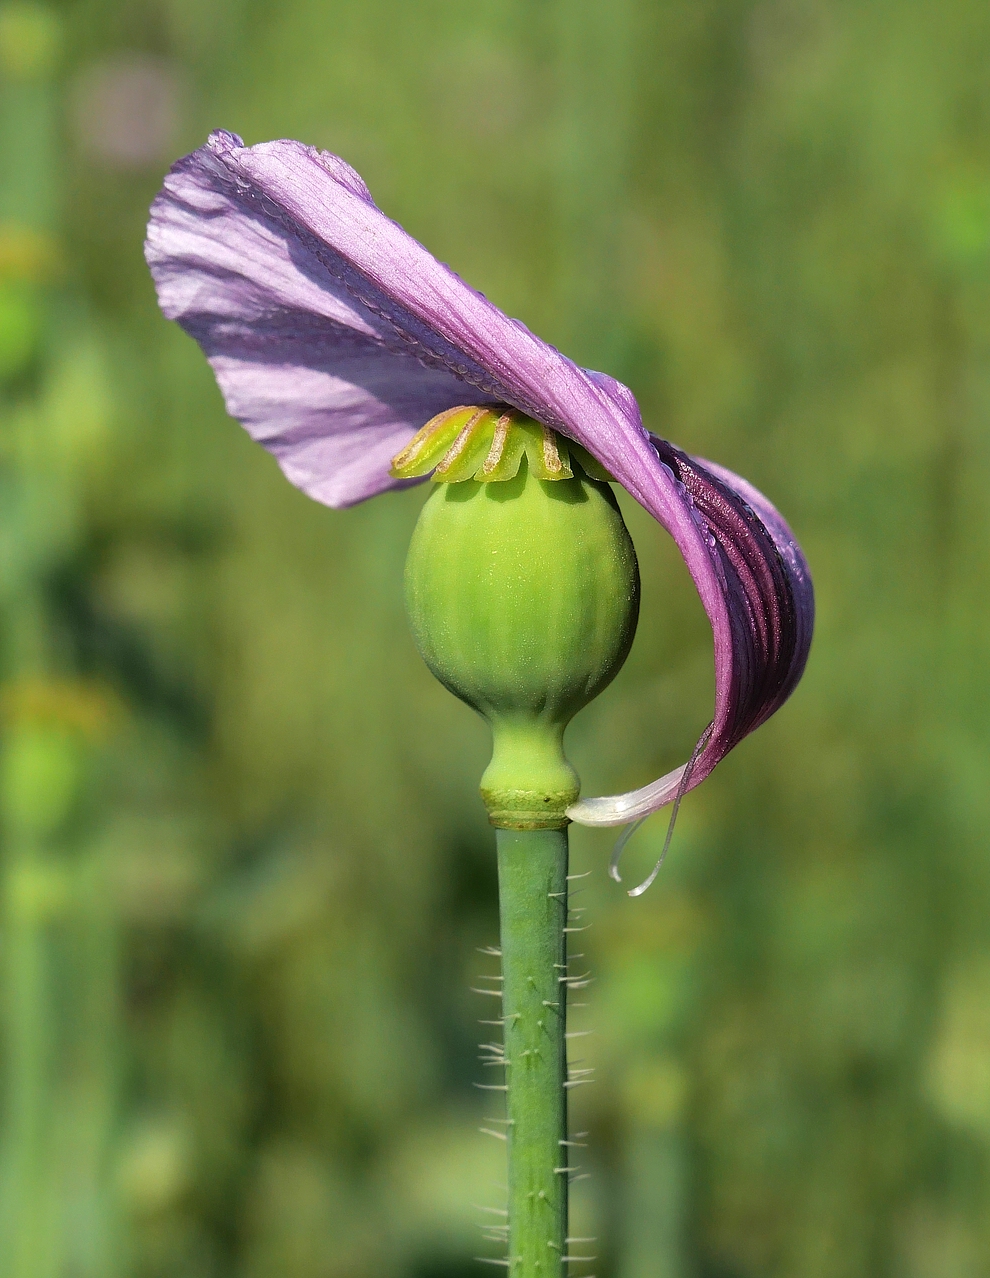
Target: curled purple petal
335 336
762 624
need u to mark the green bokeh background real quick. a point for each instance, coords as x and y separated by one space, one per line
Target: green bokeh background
245 870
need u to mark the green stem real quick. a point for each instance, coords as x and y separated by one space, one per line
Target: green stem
532 878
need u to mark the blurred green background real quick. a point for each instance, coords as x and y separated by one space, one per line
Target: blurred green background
245 870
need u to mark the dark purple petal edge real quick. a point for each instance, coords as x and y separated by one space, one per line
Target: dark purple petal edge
762 635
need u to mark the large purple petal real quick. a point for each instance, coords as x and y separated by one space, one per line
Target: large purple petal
328 386
762 630
335 335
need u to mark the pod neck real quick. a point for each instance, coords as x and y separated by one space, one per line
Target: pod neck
529 784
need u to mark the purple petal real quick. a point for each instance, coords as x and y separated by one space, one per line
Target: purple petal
762 619
326 384
335 336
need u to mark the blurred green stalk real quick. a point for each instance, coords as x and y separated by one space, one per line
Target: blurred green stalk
58 961
656 1205
596 46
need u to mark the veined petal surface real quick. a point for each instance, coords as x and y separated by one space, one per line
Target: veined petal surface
335 336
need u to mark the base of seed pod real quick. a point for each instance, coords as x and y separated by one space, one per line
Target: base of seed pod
529 783
527 810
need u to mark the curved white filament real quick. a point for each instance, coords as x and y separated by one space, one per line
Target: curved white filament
620 809
680 785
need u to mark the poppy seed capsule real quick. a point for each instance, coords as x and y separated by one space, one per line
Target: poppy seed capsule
523 596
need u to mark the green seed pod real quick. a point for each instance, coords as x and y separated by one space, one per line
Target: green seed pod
523 596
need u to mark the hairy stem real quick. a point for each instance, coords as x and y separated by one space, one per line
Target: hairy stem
532 877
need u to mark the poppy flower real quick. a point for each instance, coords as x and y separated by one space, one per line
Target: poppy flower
335 336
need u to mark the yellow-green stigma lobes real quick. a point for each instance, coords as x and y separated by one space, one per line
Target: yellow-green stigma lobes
522 590
488 445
